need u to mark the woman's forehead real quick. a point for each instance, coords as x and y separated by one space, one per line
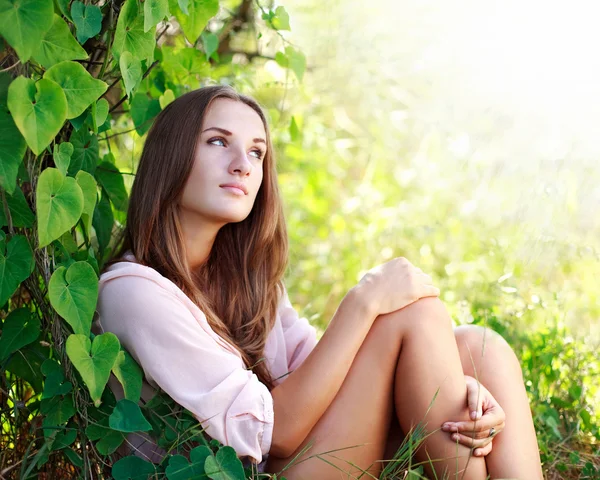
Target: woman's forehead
234 116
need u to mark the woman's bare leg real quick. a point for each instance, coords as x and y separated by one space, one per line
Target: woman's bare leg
415 350
486 356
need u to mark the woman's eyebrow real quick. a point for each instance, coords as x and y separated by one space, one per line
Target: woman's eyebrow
228 133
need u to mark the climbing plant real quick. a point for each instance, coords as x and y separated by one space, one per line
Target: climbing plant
75 78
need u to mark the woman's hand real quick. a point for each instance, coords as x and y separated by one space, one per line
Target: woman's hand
394 285
487 419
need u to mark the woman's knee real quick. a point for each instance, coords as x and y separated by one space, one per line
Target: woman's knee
476 343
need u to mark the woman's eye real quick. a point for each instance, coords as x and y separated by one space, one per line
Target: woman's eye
258 152
216 140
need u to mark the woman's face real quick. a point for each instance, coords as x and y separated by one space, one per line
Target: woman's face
228 165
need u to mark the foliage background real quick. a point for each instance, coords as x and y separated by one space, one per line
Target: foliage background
389 143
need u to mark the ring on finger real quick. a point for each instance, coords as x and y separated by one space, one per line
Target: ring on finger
492 432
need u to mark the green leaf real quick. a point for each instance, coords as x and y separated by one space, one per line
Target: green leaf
39 110
180 469
59 205
55 385
294 130
281 19
143 110
58 45
103 221
90 195
130 375
154 12
110 439
87 20
128 417
131 71
292 59
166 98
200 12
15 266
23 24
20 328
26 364
63 6
12 143
85 152
99 112
210 42
224 466
80 88
94 369
111 179
130 35
20 213
62 156
132 468
64 439
73 294
57 410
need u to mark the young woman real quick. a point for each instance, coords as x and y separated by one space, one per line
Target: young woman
195 294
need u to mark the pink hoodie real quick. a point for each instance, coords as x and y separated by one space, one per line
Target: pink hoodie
171 340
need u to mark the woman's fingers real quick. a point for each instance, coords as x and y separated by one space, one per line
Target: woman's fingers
482 426
483 451
471 442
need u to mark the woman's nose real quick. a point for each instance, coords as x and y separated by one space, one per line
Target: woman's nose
240 164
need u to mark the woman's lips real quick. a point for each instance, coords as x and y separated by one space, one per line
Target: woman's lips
235 189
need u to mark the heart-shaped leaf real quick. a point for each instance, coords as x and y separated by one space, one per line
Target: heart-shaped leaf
85 152
23 24
130 375
12 143
20 328
39 110
111 179
87 20
154 12
15 266
224 466
55 385
90 194
128 417
20 213
94 369
200 12
143 110
59 205
109 439
166 98
80 88
132 468
62 156
180 469
99 113
103 222
131 71
73 294
210 42
57 410
130 35
58 45
26 364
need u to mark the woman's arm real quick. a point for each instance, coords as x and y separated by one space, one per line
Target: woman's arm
302 399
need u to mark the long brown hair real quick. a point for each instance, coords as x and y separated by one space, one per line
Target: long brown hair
239 308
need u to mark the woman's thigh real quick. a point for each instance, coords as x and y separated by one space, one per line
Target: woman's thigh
359 416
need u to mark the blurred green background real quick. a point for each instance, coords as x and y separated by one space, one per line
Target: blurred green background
462 135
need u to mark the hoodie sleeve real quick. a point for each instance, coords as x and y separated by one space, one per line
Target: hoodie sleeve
178 355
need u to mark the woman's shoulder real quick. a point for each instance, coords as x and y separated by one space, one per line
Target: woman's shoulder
128 267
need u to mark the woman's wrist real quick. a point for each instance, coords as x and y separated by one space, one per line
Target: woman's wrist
360 301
